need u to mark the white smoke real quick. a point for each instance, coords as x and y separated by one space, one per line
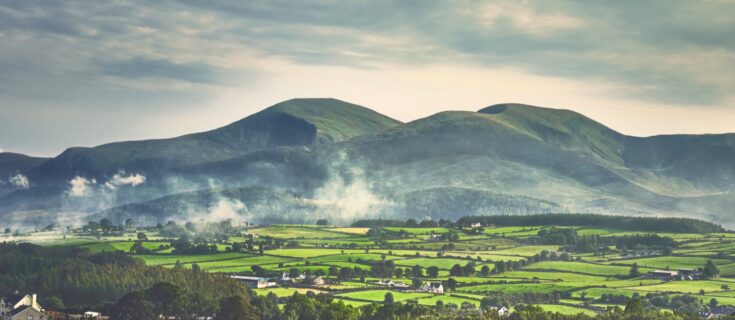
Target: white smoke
349 193
80 186
121 179
20 181
225 209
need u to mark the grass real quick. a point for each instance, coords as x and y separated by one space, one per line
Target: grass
308 253
517 288
581 267
567 310
673 262
379 295
526 251
286 232
441 263
684 286
284 292
418 231
358 231
170 259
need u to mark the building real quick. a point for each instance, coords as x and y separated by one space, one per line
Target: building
501 310
92 315
663 274
432 287
318 281
690 274
476 225
254 282
21 306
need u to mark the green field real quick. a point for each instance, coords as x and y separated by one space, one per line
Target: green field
317 249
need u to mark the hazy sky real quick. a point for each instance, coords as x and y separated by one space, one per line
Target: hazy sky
82 73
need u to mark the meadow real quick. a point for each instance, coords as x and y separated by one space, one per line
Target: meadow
581 278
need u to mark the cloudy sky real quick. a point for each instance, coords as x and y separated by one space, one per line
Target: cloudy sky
89 72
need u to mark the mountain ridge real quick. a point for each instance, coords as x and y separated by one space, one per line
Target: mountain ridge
504 158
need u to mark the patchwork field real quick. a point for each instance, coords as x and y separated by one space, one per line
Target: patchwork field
353 263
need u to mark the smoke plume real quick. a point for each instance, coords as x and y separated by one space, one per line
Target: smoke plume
20 181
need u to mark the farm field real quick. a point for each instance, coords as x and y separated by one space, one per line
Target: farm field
497 262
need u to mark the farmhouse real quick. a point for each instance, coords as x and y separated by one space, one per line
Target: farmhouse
663 274
21 306
393 284
501 310
690 274
254 282
432 287
476 225
318 281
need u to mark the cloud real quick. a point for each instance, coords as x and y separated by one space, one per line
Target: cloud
143 67
80 186
113 60
20 181
120 179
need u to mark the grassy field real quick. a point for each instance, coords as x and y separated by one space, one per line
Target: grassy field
379 295
288 232
319 248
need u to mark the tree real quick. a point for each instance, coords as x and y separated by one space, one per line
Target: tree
417 271
411 223
53 303
634 272
713 303
7 230
456 271
432 271
128 223
142 236
167 299
485 270
451 284
345 273
106 224
236 308
388 298
132 306
710 270
635 305
322 222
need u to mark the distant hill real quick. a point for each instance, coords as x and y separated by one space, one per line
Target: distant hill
323 157
12 163
297 122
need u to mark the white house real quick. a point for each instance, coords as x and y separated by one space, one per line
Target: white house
476 225
21 306
254 282
502 310
432 287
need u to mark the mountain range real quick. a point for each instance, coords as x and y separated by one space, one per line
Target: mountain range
304 159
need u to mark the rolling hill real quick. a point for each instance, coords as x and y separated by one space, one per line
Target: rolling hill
305 158
297 122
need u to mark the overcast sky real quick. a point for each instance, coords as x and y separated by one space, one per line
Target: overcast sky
82 73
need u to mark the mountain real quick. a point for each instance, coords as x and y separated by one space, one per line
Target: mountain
297 122
12 163
309 158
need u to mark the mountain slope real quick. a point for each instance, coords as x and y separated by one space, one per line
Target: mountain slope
309 157
297 122
12 163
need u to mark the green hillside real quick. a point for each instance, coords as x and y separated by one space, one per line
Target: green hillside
297 122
